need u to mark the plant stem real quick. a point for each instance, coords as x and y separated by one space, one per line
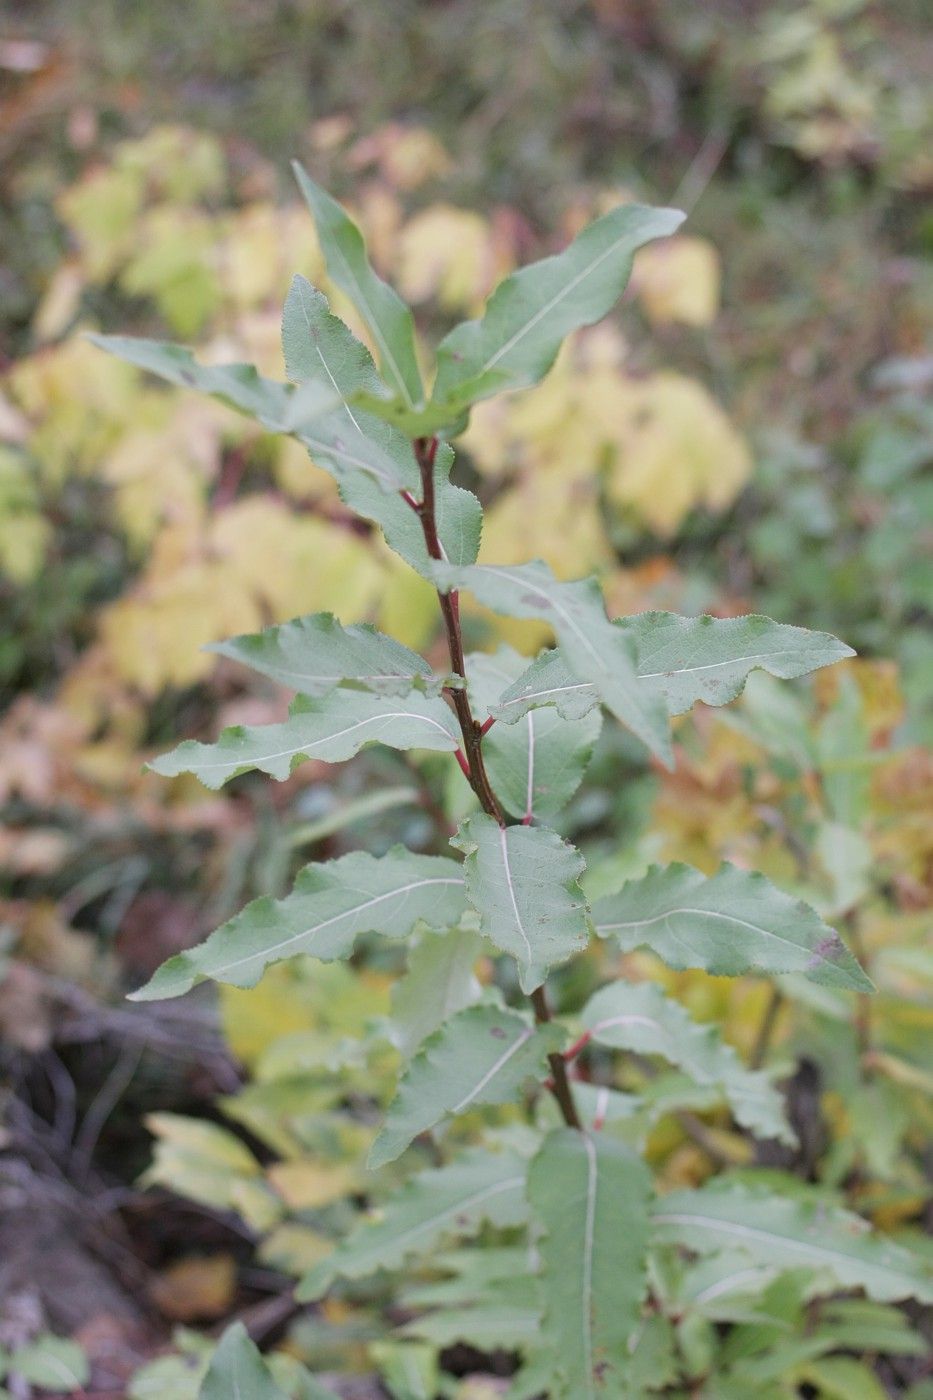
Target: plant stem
473 765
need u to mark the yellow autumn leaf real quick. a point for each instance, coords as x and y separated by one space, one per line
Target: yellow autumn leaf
675 450
294 1248
678 280
180 163
161 473
78 402
408 607
198 1287
447 253
258 251
300 478
310 1184
156 633
549 515
296 563
25 533
60 302
412 156
172 263
101 211
203 1141
255 1017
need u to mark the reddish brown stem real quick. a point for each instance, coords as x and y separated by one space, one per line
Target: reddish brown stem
574 1050
558 1084
471 758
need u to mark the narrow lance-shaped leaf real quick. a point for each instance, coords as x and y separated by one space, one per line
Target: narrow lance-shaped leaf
684 659
319 348
729 923
493 1301
522 881
308 413
332 728
237 1370
483 1054
459 515
597 651
532 312
710 658
793 1234
439 981
590 1195
498 1323
316 654
317 345
331 904
388 318
638 1016
535 767
451 1200
370 462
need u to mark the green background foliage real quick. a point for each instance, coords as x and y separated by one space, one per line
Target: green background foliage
750 434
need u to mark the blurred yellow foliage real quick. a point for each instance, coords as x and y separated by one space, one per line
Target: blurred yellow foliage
678 280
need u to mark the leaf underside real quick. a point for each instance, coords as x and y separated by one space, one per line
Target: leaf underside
522 881
639 1016
590 1195
484 1054
331 904
451 1200
729 923
793 1234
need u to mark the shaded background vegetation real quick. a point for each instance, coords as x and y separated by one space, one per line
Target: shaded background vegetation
751 433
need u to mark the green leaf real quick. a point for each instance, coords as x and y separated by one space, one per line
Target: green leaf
590 1195
522 881
687 659
308 413
409 1370
484 1054
453 1200
425 421
53 1363
331 728
531 313
638 1016
682 659
440 981
370 462
459 516
388 318
330 905
793 1234
547 682
318 346
239 385
315 655
511 1326
729 923
237 1371
535 767
597 651
842 1378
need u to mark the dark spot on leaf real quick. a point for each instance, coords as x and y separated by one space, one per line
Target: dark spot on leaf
498 1032
188 377
827 948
